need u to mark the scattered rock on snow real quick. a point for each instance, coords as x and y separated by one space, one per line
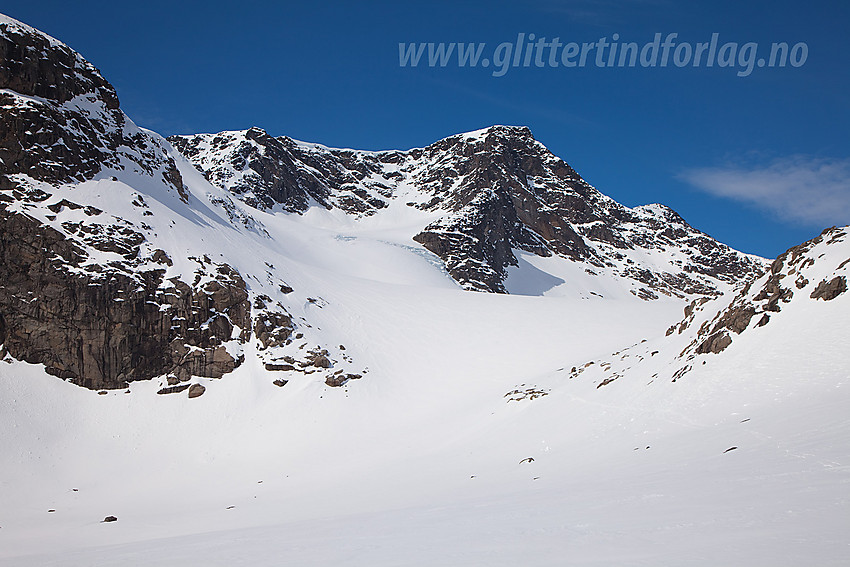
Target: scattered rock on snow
531 393
196 390
173 389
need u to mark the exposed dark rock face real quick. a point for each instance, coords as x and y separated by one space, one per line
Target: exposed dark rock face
736 319
60 120
100 327
34 64
273 329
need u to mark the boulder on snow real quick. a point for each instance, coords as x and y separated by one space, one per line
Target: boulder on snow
831 289
336 380
196 390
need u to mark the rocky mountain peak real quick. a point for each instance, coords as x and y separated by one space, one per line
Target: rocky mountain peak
503 190
494 191
34 64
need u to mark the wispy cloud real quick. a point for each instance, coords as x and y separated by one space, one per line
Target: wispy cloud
801 189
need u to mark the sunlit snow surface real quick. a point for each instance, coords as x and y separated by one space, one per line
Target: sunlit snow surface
429 459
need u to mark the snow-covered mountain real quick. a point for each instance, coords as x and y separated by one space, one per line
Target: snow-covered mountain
487 196
145 257
333 393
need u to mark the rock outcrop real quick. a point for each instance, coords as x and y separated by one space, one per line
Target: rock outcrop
782 298
86 298
268 172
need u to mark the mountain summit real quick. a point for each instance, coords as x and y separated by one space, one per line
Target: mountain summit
485 196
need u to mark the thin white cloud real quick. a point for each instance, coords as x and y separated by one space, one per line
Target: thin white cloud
801 189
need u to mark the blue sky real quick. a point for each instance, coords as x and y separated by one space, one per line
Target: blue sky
760 162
